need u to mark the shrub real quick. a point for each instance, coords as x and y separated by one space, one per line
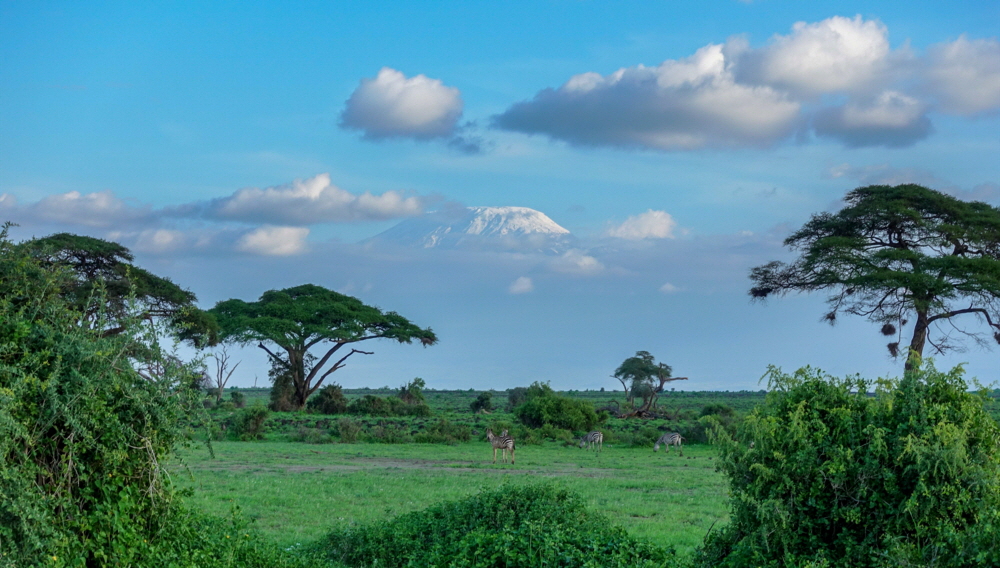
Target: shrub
348 430
516 397
372 405
83 438
389 434
559 411
835 477
412 392
483 402
329 400
310 436
444 432
248 424
238 398
509 526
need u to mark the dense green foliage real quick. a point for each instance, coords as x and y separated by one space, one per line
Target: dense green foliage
835 477
329 400
897 255
300 318
372 405
546 408
510 526
83 436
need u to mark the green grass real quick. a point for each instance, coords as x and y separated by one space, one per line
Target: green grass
297 492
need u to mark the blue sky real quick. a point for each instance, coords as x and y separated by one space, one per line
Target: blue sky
153 124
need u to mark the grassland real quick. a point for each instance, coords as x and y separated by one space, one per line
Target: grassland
296 492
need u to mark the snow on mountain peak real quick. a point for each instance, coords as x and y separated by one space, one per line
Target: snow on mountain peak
509 227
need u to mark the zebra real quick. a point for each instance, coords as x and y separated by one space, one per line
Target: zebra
671 439
503 442
593 440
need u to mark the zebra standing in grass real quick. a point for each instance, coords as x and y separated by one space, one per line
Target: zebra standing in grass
503 442
593 440
671 439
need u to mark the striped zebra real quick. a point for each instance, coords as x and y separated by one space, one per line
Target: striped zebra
671 439
593 440
503 442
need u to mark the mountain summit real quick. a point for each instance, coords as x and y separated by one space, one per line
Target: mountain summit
515 228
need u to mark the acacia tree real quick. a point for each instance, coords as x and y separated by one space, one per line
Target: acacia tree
300 318
646 377
104 270
895 255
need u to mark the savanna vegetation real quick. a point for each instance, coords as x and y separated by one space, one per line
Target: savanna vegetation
115 452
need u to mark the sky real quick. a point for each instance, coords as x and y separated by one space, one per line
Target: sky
239 147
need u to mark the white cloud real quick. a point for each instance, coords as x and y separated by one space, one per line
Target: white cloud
649 225
314 200
575 261
679 105
390 105
160 241
7 201
890 119
669 288
836 54
522 285
274 241
965 75
98 209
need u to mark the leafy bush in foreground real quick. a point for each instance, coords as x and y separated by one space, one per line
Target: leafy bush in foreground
83 437
835 477
513 527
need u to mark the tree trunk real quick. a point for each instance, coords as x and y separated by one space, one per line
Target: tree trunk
916 351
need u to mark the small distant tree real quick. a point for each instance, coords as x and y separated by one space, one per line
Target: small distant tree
646 378
516 397
413 391
483 402
899 255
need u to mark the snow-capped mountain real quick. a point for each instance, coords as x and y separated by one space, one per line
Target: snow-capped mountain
512 228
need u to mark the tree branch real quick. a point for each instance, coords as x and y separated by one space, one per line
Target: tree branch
273 356
338 365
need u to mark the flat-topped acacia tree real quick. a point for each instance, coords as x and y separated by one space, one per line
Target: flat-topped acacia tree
895 255
300 318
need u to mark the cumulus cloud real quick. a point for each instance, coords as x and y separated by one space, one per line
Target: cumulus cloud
836 54
575 261
274 241
313 200
965 75
98 209
734 95
891 119
678 105
649 225
522 285
392 105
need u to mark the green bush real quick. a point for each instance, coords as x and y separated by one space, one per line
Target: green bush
483 402
444 432
835 477
83 437
371 405
348 430
558 411
238 398
511 527
329 400
248 424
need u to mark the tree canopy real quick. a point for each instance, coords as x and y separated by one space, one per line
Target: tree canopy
898 255
105 269
300 318
645 376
